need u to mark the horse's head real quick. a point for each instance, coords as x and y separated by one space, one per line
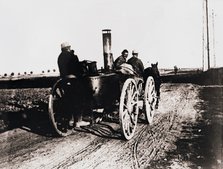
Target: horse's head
152 71
155 67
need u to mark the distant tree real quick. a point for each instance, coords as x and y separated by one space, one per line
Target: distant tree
5 74
18 74
12 74
31 72
25 73
54 70
43 71
48 71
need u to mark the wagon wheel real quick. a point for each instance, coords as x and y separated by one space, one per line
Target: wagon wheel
128 108
57 113
149 99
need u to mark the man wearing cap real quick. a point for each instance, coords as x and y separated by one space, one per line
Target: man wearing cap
68 64
136 63
121 59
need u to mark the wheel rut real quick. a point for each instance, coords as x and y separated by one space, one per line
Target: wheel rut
101 146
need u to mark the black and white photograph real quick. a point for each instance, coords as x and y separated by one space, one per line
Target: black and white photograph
111 84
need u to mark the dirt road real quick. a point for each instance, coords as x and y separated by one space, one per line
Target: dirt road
101 146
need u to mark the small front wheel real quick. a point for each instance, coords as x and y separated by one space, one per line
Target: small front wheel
128 108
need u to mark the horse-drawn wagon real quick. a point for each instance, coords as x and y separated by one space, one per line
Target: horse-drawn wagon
105 89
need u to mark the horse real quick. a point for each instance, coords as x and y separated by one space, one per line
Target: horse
154 72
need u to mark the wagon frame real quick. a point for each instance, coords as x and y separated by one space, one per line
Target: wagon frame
105 89
132 94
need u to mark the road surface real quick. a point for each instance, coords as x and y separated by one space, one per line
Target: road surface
101 146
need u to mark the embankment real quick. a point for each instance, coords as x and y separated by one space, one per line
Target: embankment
212 76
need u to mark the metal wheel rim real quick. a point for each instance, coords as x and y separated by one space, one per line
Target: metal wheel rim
128 108
149 99
59 124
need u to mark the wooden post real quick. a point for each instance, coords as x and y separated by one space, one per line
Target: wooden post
208 47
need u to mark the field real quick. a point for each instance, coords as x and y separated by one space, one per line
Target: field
175 139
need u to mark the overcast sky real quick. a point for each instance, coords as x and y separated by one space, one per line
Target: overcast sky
167 31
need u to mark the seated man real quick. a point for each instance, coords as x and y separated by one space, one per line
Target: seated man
121 59
136 63
68 64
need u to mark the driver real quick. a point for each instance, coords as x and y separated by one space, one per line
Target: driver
136 63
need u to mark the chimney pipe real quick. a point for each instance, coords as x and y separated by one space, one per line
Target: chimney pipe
108 58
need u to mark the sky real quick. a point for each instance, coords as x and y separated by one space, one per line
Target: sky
165 31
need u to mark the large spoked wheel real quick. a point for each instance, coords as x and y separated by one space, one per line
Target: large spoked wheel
149 99
128 108
57 109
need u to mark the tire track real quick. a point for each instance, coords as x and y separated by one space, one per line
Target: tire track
135 146
93 146
102 147
165 125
